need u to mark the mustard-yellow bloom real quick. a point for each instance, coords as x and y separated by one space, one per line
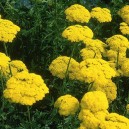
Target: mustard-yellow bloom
59 67
109 88
88 53
124 28
67 105
77 33
91 120
94 101
99 67
25 88
118 43
17 66
124 13
115 121
101 14
4 64
125 67
8 30
77 13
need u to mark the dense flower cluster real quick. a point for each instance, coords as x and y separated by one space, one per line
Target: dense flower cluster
94 49
99 67
25 88
77 13
8 30
94 107
17 66
89 102
77 33
67 105
94 114
4 63
124 13
109 88
9 68
59 66
118 42
125 67
124 28
114 121
101 14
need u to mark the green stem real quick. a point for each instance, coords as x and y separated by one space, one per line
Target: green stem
117 60
2 83
66 73
29 118
6 52
5 48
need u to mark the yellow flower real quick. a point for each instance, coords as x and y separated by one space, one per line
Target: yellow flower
91 120
124 13
4 64
67 104
113 64
94 101
125 67
101 14
88 53
109 88
25 88
118 42
115 121
95 44
59 66
124 28
17 66
8 30
99 67
116 55
77 13
77 33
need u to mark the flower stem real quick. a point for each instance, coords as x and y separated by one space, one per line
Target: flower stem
29 119
117 60
66 73
6 52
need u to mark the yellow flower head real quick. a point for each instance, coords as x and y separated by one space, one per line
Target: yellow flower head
109 88
8 30
101 14
59 66
115 121
77 13
4 63
91 120
124 28
67 104
99 67
94 49
95 44
124 13
118 42
127 108
25 88
114 55
95 101
125 67
77 33
17 66
117 67
88 53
